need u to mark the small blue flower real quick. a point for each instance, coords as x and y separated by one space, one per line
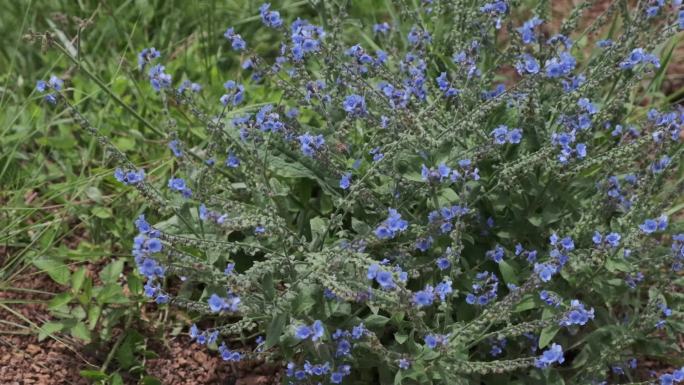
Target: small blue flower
303 332
431 341
497 254
336 377
355 105
345 181
545 271
649 226
384 278
237 43
270 18
549 356
158 78
424 297
613 239
443 263
146 56
318 330
232 161
216 303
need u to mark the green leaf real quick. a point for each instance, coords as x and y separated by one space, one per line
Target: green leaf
102 212
275 330
134 284
526 303
547 335
508 272
59 300
55 269
77 279
536 220
80 331
116 379
375 321
289 170
111 293
149 380
268 287
49 328
93 315
111 272
94 194
400 337
93 375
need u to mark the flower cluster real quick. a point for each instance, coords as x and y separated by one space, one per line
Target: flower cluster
54 83
391 226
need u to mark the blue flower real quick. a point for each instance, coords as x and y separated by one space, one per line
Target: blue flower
604 43
649 226
174 145
527 30
613 239
424 297
158 78
549 356
318 330
443 263
559 66
270 18
303 332
177 184
305 38
146 56
54 83
309 143
423 244
403 363
578 314
581 149
236 40
41 86
567 243
131 177
232 161
659 166
154 245
503 135
384 278
443 289
497 254
528 65
545 271
216 303
417 35
391 226
499 134
638 56
229 355
355 105
431 341
336 377
345 181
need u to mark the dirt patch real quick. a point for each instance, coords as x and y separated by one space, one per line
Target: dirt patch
191 364
53 361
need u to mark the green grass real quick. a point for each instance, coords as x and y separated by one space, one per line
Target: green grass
60 208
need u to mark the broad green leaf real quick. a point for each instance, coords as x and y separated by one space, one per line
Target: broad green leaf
57 270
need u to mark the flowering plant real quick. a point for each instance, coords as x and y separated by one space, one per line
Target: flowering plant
387 211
